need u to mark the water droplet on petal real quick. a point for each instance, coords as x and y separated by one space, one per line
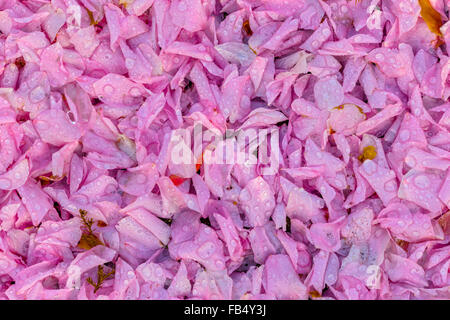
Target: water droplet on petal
135 92
369 167
182 6
410 161
5 183
108 89
422 182
141 178
147 271
206 250
404 135
37 94
3 264
245 195
390 186
129 63
379 56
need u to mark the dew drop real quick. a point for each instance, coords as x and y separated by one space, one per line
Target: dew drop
422 182
404 135
369 167
108 89
129 63
182 6
135 92
390 186
379 56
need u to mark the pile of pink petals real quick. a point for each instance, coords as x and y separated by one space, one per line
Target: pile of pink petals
92 205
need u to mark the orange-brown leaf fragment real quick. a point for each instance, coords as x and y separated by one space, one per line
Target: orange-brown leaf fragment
20 62
253 50
45 181
431 17
101 224
91 17
88 241
199 163
444 222
437 42
246 27
403 244
52 178
176 179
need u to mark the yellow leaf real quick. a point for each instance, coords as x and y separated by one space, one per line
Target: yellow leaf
340 107
369 152
88 241
314 294
91 17
431 16
51 178
125 3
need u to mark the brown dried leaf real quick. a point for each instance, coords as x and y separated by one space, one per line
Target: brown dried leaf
101 224
246 27
20 62
88 241
101 277
126 145
444 222
45 181
52 178
403 244
432 18
91 17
